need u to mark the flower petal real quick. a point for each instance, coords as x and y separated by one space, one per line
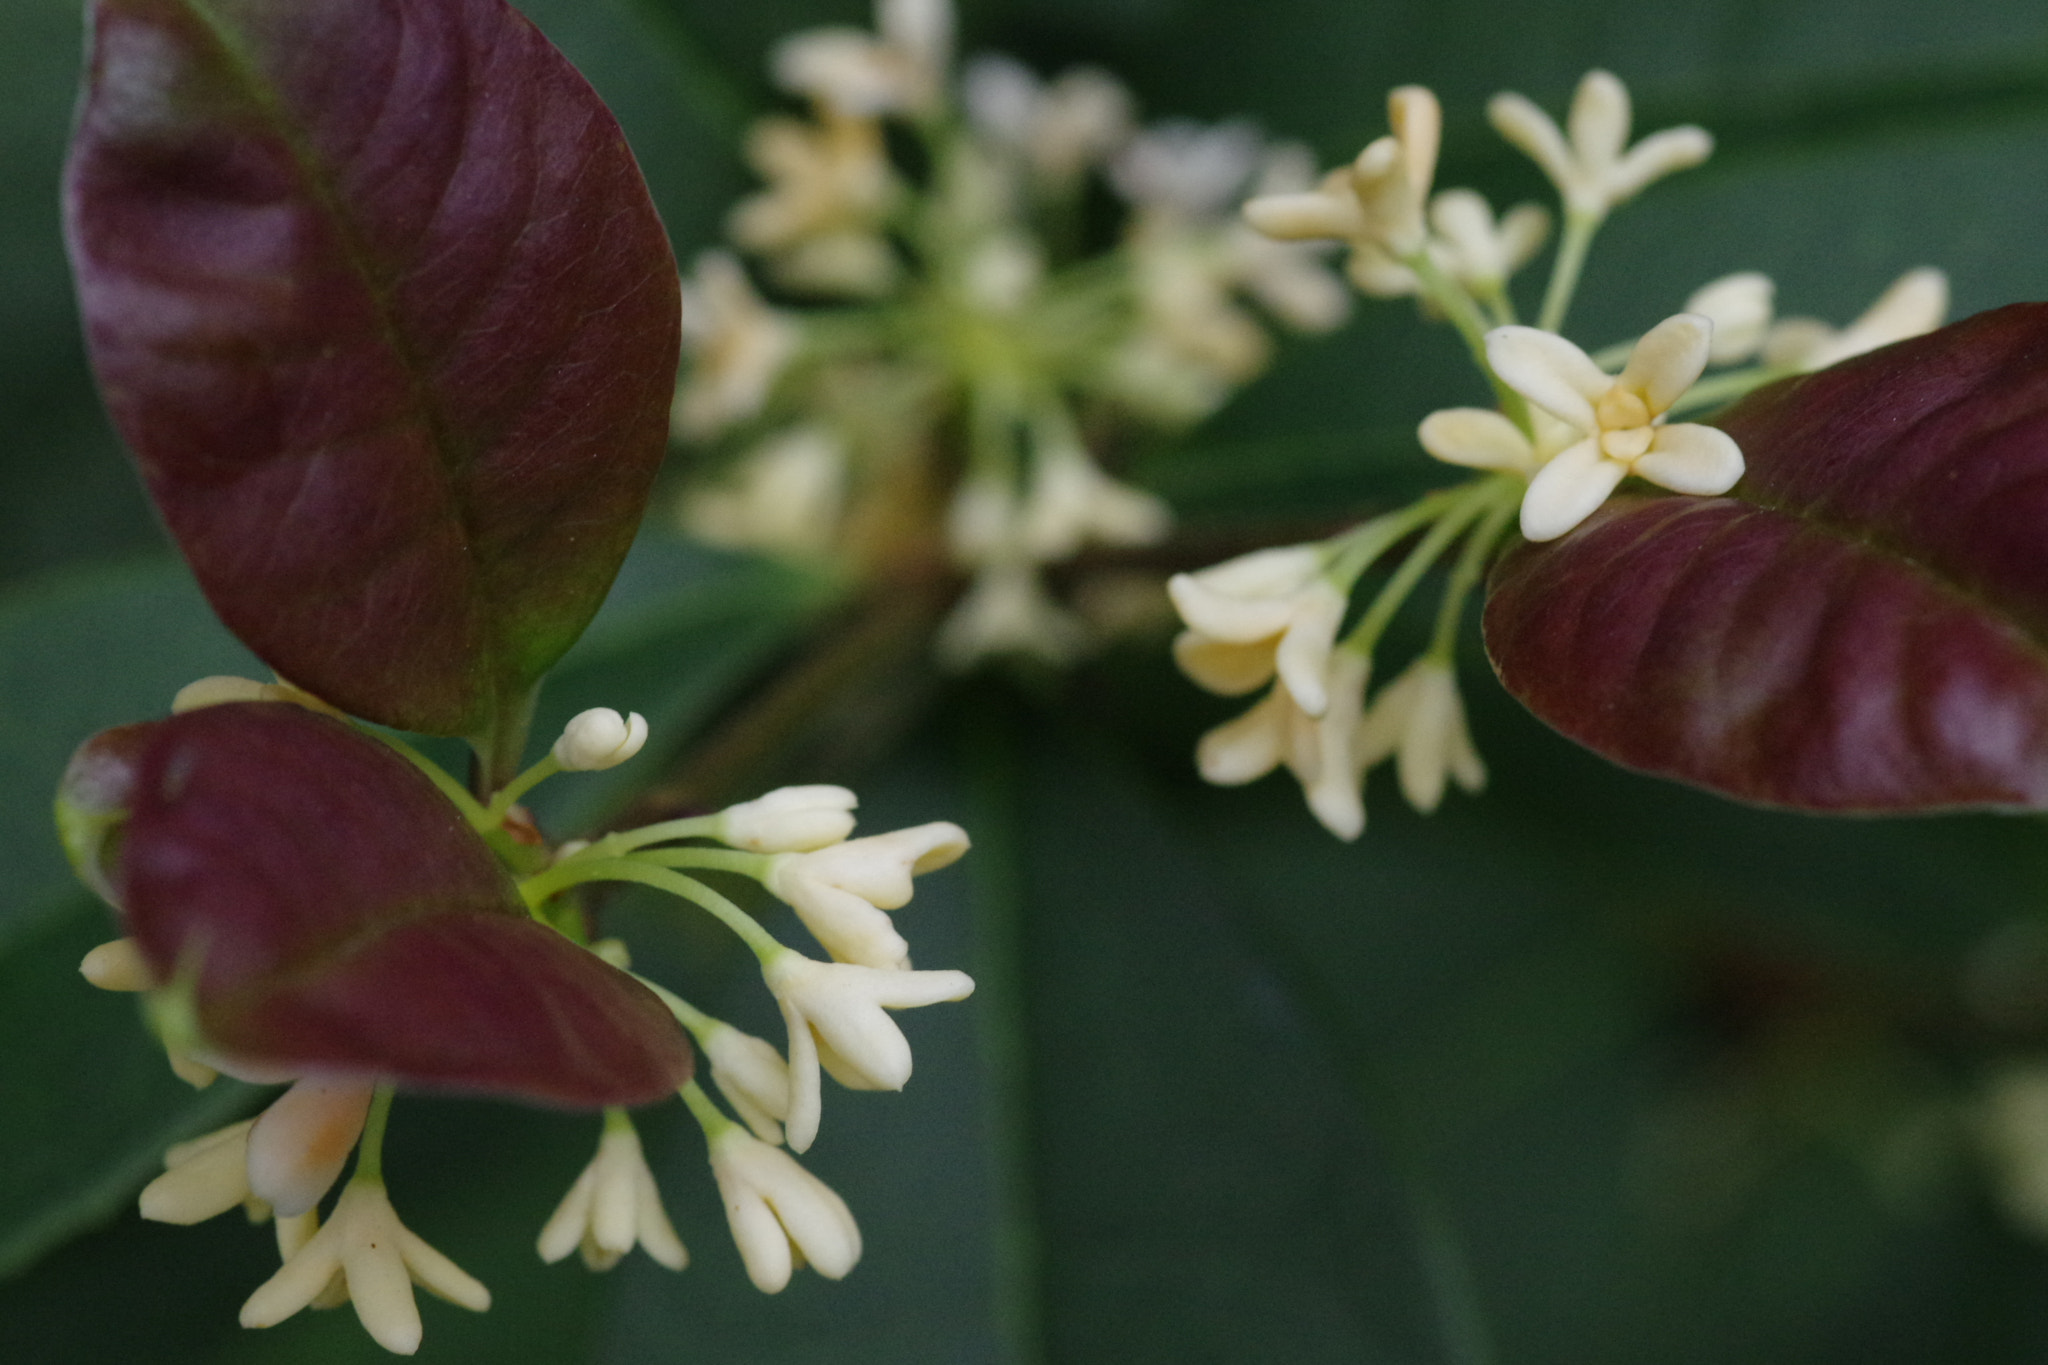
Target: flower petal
1915 303
806 1087
1740 307
1247 598
1518 119
564 1228
1599 123
1522 232
1305 217
1567 490
440 1276
1548 371
1656 156
657 1234
1478 438
301 1142
1303 657
1247 748
1669 358
1221 666
758 1233
381 1290
1689 458
295 1284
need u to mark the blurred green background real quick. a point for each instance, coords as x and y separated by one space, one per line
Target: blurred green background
1592 1069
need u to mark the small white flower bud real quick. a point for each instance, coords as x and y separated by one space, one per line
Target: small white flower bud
599 738
773 1205
752 1076
840 892
790 820
1739 306
613 1207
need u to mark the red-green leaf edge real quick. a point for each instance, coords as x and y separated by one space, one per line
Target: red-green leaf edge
1860 626
376 294
331 912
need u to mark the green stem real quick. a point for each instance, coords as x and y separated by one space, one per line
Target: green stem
1366 634
689 1016
626 840
539 887
714 1123
1726 387
1498 305
499 749
1357 549
519 786
1479 547
370 1149
1564 274
472 810
753 865
1457 305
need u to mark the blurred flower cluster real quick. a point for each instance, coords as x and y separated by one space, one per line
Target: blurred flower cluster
960 343
1927 1082
1303 622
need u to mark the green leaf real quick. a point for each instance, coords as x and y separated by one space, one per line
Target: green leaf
91 1101
81 650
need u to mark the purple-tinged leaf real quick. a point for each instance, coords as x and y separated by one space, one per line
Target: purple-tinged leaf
376 294
335 913
1862 625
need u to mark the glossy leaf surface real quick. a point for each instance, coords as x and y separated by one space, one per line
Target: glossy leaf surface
336 913
377 296
1861 625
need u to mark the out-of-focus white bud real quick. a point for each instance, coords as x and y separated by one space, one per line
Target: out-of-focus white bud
789 820
1739 306
599 738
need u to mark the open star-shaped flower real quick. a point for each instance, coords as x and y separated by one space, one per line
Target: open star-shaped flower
1619 419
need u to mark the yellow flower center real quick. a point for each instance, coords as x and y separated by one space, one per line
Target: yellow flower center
1625 430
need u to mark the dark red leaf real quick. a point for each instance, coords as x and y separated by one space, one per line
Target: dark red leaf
340 915
376 294
1861 626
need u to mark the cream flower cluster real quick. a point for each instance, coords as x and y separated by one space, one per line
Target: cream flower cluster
796 842
957 415
1382 207
1590 159
1567 430
1741 309
1272 617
